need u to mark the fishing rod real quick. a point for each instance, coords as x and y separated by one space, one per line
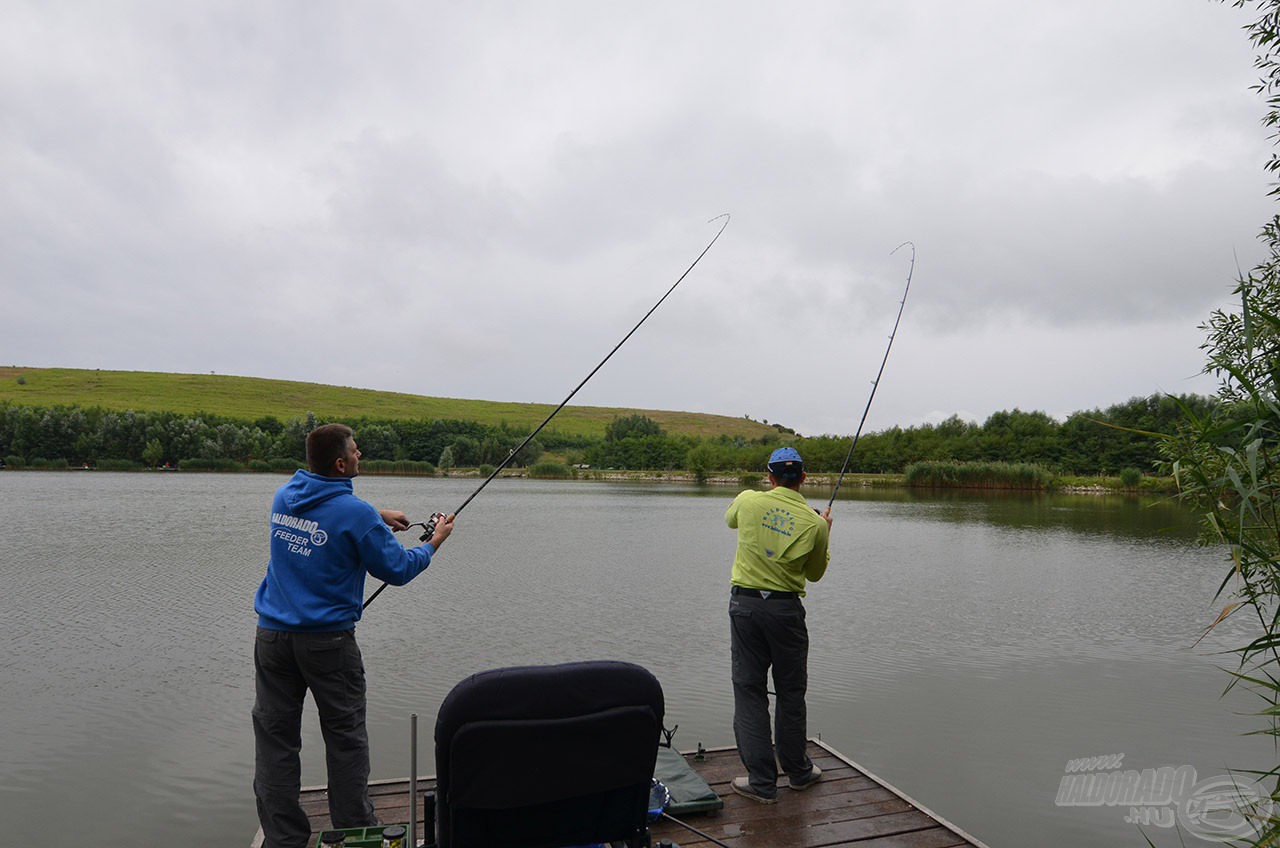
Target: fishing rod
688 826
875 384
429 527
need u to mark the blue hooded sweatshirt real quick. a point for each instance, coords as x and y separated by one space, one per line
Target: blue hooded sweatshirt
323 540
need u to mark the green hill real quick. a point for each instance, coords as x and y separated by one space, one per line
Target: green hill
253 397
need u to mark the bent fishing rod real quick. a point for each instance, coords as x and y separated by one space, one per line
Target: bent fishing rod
429 527
875 384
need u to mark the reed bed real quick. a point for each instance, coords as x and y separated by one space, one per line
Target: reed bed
399 467
551 469
978 475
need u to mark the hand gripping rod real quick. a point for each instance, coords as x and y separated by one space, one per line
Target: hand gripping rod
563 403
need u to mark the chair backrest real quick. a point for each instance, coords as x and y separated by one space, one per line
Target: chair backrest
547 756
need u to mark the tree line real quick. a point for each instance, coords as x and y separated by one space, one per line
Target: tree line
1093 442
78 436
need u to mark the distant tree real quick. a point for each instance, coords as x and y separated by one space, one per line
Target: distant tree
291 443
466 451
528 455
270 424
377 441
153 453
700 459
493 451
631 426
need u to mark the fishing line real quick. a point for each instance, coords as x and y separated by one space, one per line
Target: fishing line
429 527
876 383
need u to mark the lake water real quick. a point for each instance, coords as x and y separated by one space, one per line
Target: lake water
964 648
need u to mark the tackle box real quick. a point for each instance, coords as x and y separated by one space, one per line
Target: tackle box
363 837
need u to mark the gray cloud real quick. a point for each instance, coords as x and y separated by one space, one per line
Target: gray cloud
478 200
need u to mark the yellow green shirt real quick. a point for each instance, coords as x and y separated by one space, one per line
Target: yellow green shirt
782 542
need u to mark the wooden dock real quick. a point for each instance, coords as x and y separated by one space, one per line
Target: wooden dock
849 807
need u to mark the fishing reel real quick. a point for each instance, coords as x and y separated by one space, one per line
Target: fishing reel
428 527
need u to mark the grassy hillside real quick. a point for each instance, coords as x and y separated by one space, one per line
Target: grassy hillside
253 397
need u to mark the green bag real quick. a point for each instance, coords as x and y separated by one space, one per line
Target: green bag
689 792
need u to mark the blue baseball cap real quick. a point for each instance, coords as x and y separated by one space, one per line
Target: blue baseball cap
786 463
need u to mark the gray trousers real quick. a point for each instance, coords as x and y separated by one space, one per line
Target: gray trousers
767 632
330 666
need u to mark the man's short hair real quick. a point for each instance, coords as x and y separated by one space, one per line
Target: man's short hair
325 444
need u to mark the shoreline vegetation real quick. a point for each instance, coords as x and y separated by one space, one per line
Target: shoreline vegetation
127 421
972 477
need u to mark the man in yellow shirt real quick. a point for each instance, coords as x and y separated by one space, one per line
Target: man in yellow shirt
782 543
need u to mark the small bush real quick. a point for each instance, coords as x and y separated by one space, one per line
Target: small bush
750 480
14 461
209 465
550 469
259 465
1130 478
289 465
41 462
119 465
485 470
22 379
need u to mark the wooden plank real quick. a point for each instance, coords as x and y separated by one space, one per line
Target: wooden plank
934 837
968 839
736 818
849 807
797 830
780 825
723 767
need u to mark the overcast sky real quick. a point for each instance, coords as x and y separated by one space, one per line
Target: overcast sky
480 199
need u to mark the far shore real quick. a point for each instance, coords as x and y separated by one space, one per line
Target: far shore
819 480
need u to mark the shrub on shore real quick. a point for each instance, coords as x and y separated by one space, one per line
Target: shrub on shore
978 475
119 465
550 469
404 467
209 465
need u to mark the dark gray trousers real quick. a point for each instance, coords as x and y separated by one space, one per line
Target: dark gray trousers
287 665
764 633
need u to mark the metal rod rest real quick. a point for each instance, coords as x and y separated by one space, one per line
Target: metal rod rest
413 780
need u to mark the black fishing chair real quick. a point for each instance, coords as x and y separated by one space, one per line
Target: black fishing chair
548 756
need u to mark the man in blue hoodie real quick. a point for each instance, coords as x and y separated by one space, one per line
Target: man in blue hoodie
324 540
